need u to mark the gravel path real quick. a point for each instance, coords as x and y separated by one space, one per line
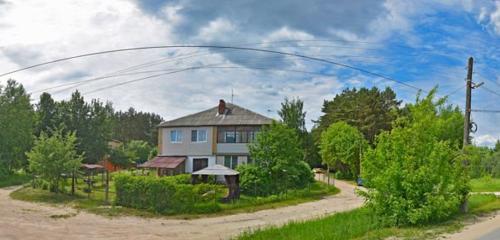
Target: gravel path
25 220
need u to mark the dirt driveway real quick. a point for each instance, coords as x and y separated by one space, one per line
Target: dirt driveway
24 220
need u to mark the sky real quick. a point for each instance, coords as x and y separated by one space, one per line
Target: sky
418 42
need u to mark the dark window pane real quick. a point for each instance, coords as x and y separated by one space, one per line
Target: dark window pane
230 138
194 136
227 161
234 162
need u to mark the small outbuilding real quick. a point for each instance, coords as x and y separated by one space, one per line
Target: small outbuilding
231 177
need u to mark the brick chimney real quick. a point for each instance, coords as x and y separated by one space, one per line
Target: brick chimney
222 106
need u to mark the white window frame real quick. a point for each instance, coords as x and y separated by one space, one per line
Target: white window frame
178 136
198 135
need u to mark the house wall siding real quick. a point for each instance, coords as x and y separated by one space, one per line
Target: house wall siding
228 148
186 147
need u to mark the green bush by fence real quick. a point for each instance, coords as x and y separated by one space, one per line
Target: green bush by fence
165 195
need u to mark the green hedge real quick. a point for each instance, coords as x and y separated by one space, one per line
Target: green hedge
164 195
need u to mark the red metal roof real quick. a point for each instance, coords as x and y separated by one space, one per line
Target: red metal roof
163 162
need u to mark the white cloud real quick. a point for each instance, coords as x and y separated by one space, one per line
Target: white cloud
35 31
495 18
216 30
485 140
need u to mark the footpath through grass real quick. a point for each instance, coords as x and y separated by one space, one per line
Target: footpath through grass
14 179
485 184
361 223
95 204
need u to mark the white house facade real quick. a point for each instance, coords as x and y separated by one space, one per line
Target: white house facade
219 135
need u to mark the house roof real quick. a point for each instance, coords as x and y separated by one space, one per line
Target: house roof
163 162
216 170
235 115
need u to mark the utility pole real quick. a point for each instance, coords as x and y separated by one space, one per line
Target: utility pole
467 123
468 97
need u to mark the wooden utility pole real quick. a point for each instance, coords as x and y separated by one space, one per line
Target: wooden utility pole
467 124
468 97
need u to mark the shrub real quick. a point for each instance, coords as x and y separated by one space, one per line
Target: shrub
253 181
4 173
163 195
181 179
305 176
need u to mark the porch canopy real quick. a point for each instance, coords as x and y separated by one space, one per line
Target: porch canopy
163 162
231 176
165 165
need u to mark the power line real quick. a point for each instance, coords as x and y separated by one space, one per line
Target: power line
144 78
79 83
157 62
218 47
489 90
455 91
487 79
213 66
485 111
123 71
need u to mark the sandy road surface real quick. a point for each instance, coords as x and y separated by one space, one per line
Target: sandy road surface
25 220
483 230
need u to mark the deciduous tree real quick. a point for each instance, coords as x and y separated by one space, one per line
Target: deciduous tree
16 126
416 173
278 161
55 155
341 146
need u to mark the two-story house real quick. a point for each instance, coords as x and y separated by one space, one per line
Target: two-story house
219 135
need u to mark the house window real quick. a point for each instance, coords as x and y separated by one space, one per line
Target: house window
199 135
237 134
230 137
175 136
231 161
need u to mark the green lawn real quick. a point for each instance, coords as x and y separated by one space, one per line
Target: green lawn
95 203
14 179
485 184
361 223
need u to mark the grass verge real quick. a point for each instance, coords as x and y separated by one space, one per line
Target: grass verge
14 179
95 204
361 223
485 184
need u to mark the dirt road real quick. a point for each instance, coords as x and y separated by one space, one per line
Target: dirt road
486 229
24 220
